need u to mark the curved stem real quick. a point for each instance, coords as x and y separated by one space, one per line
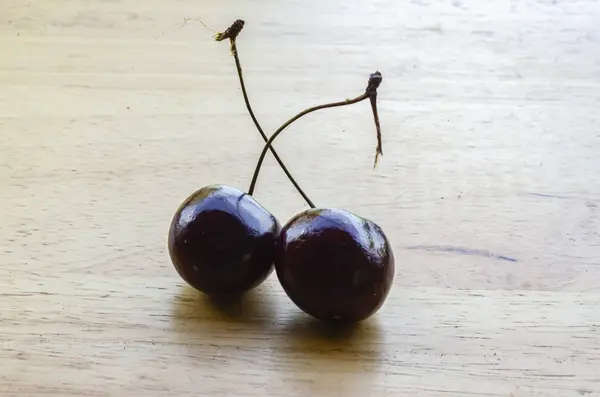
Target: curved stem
375 80
258 127
290 121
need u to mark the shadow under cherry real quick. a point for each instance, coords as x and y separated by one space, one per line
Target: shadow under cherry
196 312
326 348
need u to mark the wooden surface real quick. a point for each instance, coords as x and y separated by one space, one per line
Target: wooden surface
489 189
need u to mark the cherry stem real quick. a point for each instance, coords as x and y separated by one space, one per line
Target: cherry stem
231 33
371 92
379 150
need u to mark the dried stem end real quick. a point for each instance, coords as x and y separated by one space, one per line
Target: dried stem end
375 80
231 32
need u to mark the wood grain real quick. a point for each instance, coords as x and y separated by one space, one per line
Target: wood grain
112 112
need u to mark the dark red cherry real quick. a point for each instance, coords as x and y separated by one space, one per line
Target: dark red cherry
222 241
334 265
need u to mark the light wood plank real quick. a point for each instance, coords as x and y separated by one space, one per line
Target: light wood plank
111 114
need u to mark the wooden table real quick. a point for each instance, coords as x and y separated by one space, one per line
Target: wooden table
112 112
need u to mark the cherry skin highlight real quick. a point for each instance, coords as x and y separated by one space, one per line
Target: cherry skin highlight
334 265
222 241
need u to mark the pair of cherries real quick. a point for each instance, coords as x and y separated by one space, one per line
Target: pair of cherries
333 264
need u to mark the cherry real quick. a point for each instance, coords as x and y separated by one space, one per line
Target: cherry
335 265
222 241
